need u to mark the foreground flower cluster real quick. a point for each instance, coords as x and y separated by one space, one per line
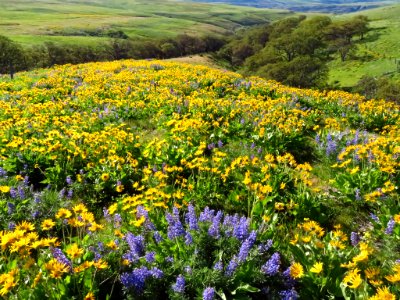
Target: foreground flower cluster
148 179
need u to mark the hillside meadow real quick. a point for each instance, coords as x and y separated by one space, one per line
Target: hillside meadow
164 180
378 54
89 22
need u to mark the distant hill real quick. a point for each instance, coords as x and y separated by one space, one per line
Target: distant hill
326 6
90 21
378 54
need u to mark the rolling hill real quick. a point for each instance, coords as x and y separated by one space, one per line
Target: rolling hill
32 22
327 6
378 54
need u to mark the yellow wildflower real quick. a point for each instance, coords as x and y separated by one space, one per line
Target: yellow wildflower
63 213
74 251
105 176
296 270
48 224
383 294
317 268
353 279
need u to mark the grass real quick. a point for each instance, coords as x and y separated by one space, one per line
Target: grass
33 22
338 6
377 55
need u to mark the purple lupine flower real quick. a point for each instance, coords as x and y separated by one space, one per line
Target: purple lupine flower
209 293
246 246
100 246
61 258
271 267
374 217
191 218
150 257
11 225
214 228
136 246
354 238
188 239
106 214
175 227
97 256
117 220
61 194
289 295
175 212
36 214
156 273
10 208
229 224
157 237
37 199
241 229
179 286
141 211
211 146
232 266
370 156
356 137
219 266
289 281
69 180
21 192
169 259
220 144
136 279
263 248
330 148
70 193
26 180
318 139
3 172
242 121
188 270
206 215
358 195
390 226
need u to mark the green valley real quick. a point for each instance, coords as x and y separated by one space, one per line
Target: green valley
88 22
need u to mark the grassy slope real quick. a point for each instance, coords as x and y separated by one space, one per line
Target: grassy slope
381 45
338 6
35 21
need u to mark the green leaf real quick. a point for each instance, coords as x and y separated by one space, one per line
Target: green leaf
246 288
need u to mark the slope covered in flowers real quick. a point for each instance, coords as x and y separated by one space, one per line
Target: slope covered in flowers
149 179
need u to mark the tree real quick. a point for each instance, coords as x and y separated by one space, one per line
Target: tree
297 56
340 34
11 57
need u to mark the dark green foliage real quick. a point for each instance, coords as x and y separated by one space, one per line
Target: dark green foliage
294 50
12 58
379 88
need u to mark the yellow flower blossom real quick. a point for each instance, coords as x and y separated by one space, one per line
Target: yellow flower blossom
296 270
48 224
317 268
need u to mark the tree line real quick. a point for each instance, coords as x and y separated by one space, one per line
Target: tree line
294 50
14 57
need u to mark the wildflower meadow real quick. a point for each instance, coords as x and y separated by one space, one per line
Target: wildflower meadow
160 180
